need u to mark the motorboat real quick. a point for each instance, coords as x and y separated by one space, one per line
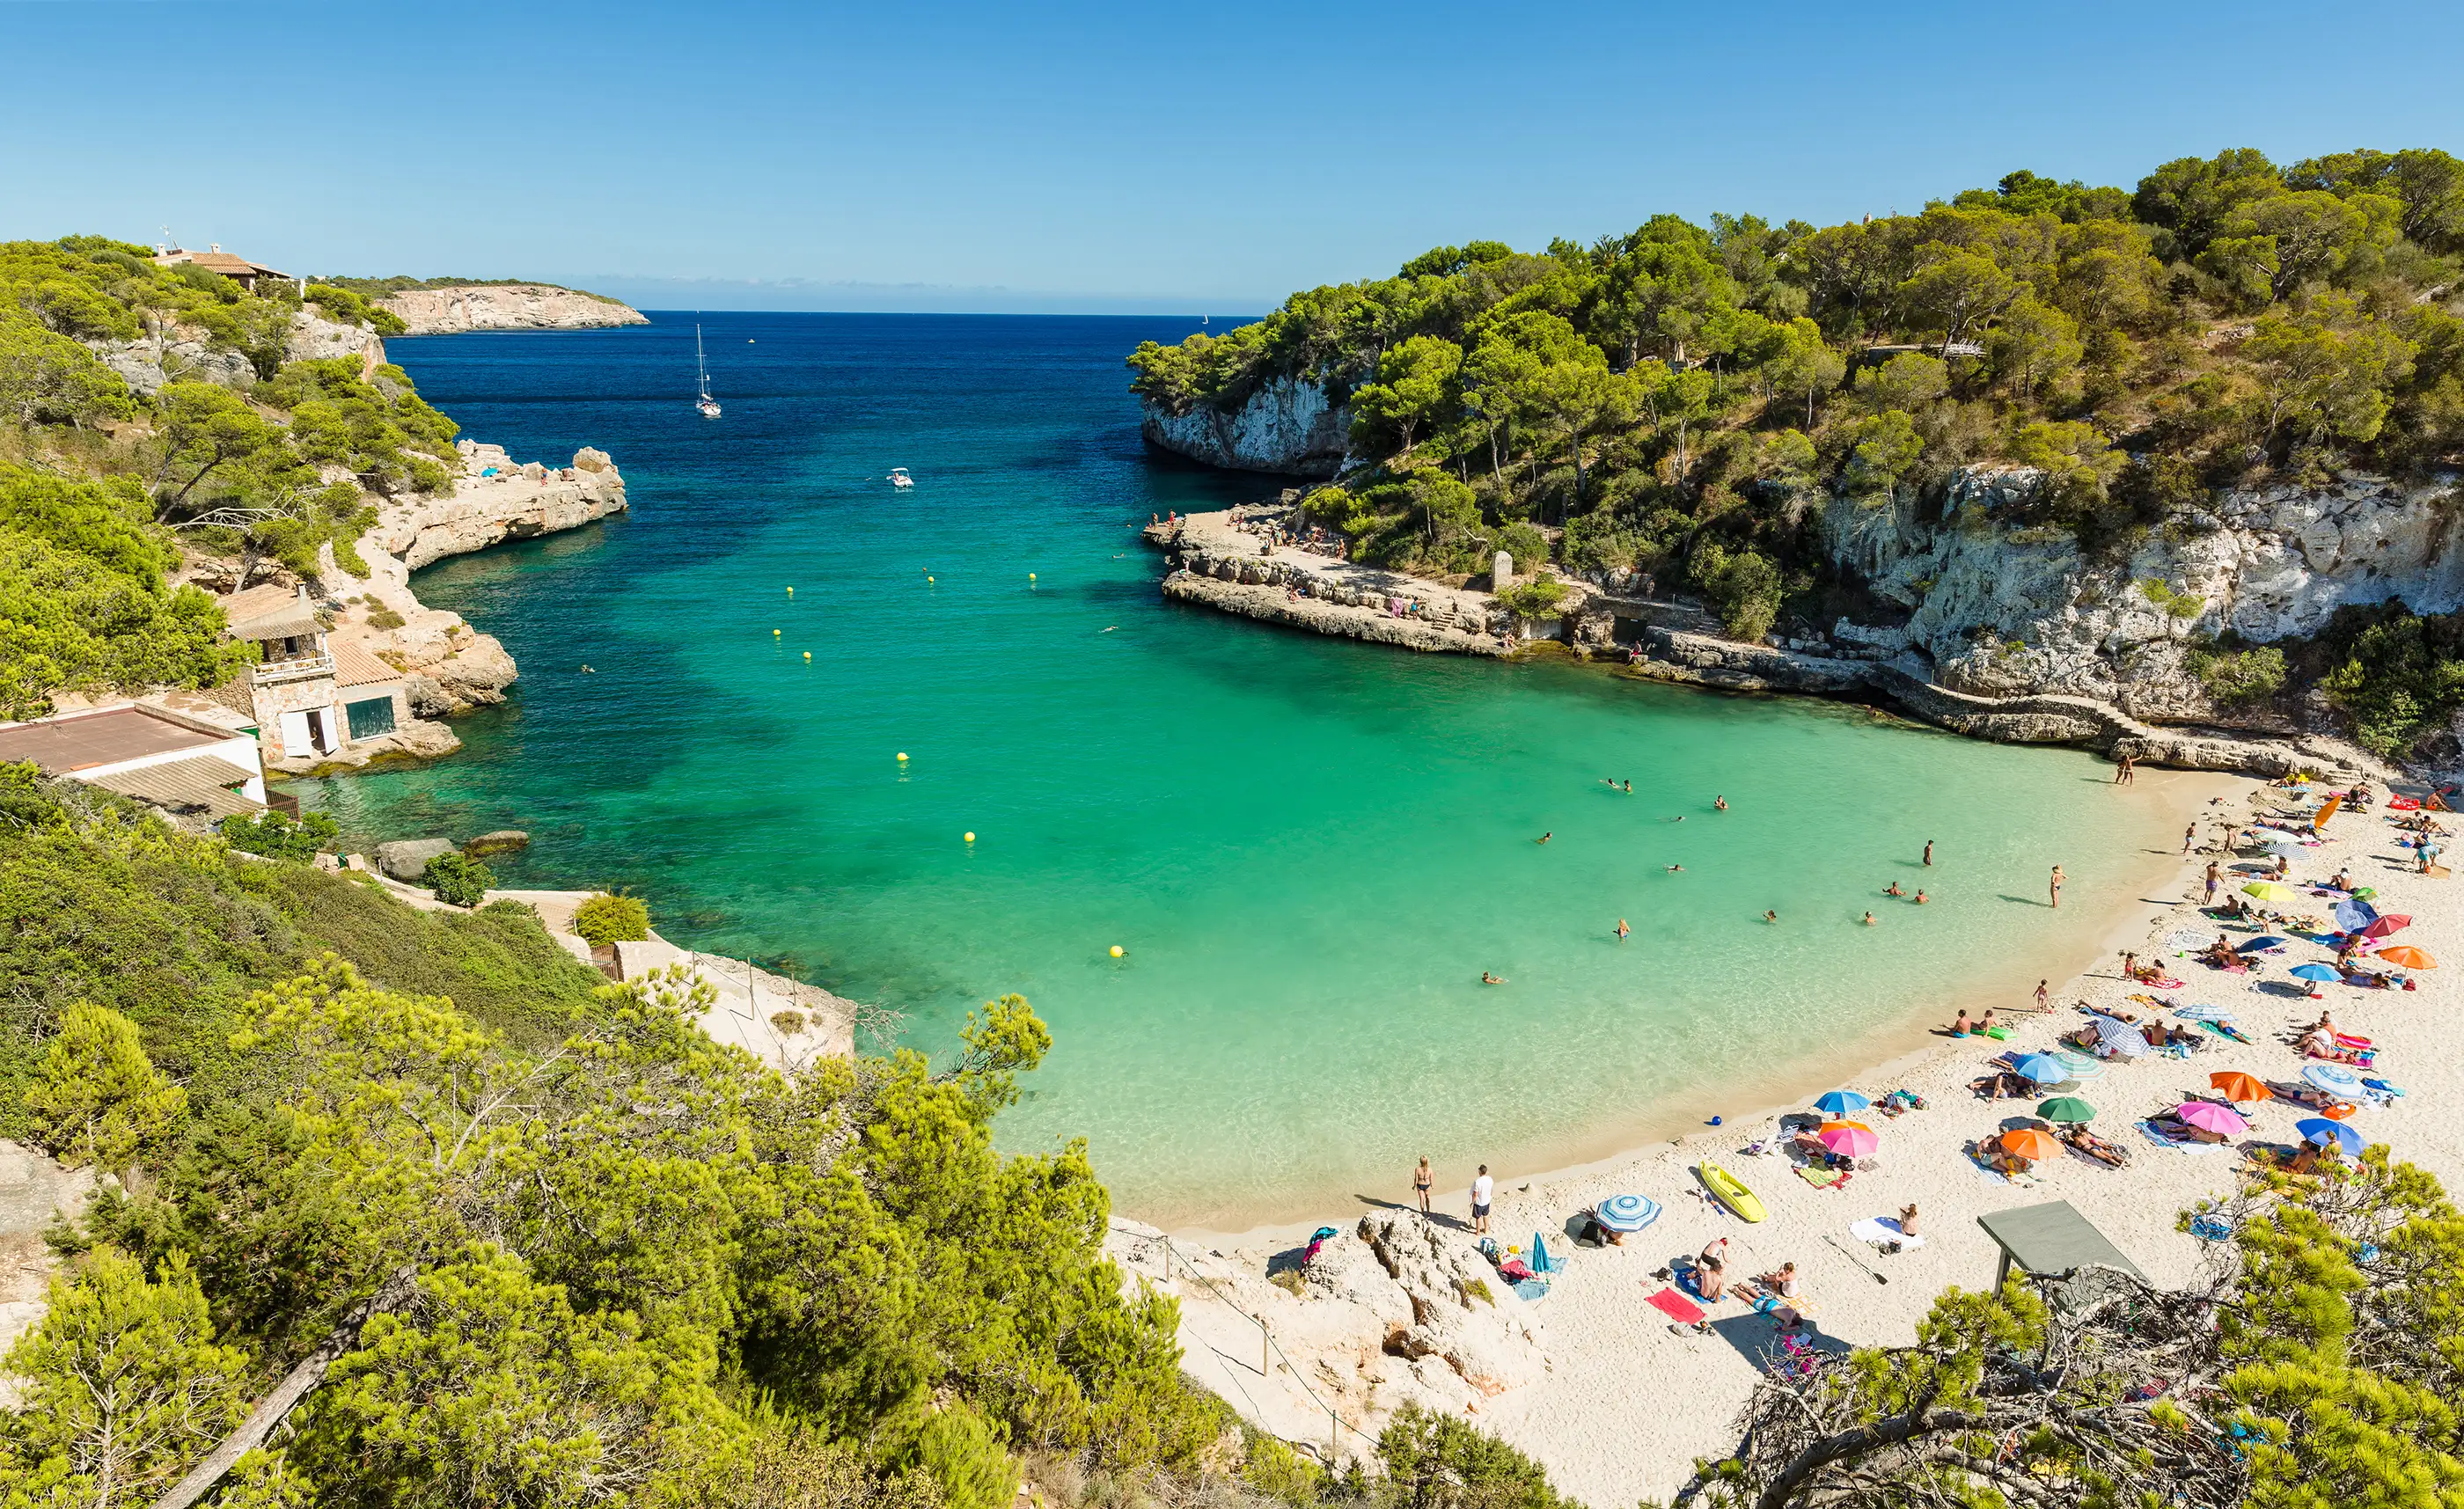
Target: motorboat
898 478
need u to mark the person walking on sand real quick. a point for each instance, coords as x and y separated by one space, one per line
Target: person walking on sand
1481 1189
2056 883
1622 930
1420 1182
2043 1001
2189 837
1928 857
2216 878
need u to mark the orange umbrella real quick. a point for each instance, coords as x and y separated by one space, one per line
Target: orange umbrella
2406 957
2327 811
2234 1085
2031 1144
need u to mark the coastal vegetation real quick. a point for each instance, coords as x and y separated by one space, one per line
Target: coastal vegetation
224 444
605 919
2314 1366
1688 401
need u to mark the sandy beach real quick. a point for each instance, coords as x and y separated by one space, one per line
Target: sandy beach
1628 1401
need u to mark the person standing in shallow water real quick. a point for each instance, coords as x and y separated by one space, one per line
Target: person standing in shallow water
1928 855
2057 884
1621 928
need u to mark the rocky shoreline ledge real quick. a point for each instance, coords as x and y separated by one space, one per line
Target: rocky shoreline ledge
506 306
1225 565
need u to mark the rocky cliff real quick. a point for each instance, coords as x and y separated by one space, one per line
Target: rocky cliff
1286 426
505 306
185 353
2000 610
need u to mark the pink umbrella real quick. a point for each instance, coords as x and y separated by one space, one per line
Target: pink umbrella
2393 923
1849 1139
2209 1116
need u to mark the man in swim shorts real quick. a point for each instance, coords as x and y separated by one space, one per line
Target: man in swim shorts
1481 1188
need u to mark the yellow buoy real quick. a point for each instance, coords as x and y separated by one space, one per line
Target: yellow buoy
928 578
970 837
1030 576
773 633
902 756
808 654
791 591
1116 950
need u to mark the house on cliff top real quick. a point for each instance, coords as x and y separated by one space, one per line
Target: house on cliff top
238 269
310 697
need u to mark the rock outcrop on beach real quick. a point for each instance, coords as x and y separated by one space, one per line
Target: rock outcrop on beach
2002 610
1286 426
506 306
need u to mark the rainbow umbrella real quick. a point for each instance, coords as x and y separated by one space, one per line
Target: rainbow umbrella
2208 1116
2043 1068
2234 1085
2323 1132
1840 1103
2392 922
2067 1108
2406 957
1848 1139
2026 1142
2267 890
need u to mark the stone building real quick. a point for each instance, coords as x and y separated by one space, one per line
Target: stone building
311 697
238 269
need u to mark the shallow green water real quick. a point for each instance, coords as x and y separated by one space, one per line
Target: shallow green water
1309 849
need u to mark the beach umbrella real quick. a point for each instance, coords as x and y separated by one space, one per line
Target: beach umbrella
2284 846
2364 892
2208 1116
1626 1212
2043 1068
2324 1132
2120 1036
2267 890
2381 927
2316 972
2026 1142
1840 1103
2332 1077
2354 915
1848 1139
2067 1108
2406 957
2256 944
2234 1085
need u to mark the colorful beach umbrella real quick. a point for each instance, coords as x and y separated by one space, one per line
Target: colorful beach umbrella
2208 1116
1840 1103
2324 1132
2267 890
2381 927
2026 1142
2259 944
2119 1036
2316 972
2354 915
1626 1212
1848 1139
2284 846
2405 957
2068 1109
2043 1068
2234 1085
2332 1077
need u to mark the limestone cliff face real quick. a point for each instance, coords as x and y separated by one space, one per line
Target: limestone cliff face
177 352
505 306
2000 610
1287 427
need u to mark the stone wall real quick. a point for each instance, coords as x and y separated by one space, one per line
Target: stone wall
1287 427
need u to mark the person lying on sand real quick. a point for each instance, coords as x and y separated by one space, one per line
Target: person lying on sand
2002 1084
2092 1146
2176 1129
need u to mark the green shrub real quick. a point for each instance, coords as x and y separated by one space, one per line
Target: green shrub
1528 547
96 1098
1537 598
278 836
351 309
457 879
1744 587
2402 676
2236 677
958 1447
386 619
605 919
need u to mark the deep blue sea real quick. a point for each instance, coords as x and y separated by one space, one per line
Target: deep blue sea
1308 850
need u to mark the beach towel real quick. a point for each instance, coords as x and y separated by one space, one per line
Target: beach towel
1821 1178
1676 1306
2225 1029
1881 1231
1529 1289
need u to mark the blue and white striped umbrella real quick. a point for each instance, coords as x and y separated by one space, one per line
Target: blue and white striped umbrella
1627 1213
2332 1077
2120 1036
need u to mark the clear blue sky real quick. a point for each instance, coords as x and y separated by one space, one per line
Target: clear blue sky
1151 156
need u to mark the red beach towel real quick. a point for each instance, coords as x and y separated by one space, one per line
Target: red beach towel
1676 1306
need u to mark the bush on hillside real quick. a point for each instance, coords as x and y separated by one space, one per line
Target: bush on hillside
457 879
1538 598
278 836
604 919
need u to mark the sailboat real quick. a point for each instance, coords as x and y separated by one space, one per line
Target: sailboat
708 404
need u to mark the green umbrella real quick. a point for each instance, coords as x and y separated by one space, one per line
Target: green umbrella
2067 1108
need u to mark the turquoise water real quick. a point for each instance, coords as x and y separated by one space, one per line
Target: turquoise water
1309 850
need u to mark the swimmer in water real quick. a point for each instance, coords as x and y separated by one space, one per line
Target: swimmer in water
1770 916
1674 869
1869 919
1629 788
1922 897
1622 930
1487 978
1719 803
1546 837
1893 890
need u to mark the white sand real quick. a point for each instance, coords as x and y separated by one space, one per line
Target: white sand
1629 1405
